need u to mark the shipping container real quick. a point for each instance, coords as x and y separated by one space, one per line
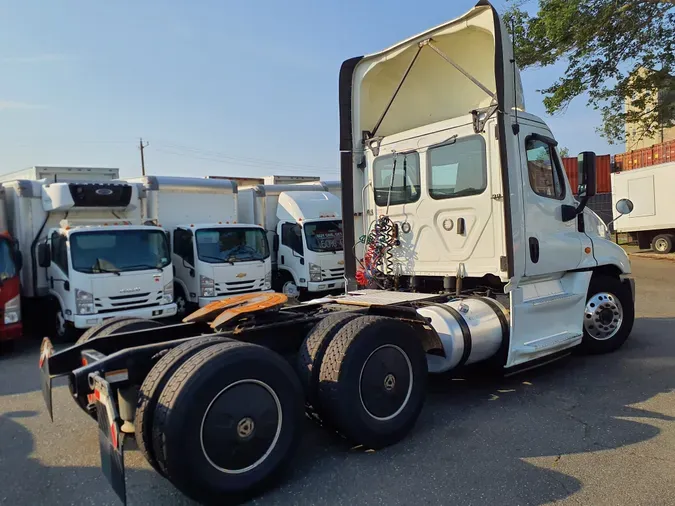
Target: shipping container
646 157
603 169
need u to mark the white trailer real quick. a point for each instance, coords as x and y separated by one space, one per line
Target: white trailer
214 255
653 217
87 257
304 229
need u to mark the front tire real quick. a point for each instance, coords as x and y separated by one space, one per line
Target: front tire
227 422
608 316
181 301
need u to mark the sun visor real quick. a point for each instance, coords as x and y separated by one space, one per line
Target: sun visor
447 72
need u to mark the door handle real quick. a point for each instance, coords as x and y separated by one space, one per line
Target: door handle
282 259
461 226
534 249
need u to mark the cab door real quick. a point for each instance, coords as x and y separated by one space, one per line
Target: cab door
552 245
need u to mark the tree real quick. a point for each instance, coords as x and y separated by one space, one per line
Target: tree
564 152
616 51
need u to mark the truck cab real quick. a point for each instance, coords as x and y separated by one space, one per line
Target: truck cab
308 243
214 260
453 185
98 270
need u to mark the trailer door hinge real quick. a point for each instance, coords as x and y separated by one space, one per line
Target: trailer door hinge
497 196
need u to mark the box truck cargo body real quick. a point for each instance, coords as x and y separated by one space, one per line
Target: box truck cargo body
653 217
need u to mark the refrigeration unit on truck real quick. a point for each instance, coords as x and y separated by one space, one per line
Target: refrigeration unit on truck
463 243
214 254
87 257
652 219
11 261
304 229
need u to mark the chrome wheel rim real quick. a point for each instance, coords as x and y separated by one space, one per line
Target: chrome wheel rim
603 316
180 305
661 245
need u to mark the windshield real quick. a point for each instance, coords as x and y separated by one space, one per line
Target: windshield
7 265
324 236
219 245
119 250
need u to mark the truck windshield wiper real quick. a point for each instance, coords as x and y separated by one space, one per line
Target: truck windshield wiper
142 266
220 260
100 268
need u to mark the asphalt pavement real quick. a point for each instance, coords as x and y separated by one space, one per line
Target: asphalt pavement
586 430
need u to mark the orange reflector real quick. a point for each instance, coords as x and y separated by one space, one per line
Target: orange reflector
587 250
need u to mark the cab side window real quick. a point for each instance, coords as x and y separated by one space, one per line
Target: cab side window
291 236
545 173
183 246
60 252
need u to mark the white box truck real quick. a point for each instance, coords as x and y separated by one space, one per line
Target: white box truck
214 254
448 179
652 219
87 256
304 229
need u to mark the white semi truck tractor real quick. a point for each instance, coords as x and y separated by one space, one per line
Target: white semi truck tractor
215 254
87 255
304 229
463 243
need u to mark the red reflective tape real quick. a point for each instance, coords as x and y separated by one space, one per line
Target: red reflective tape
113 434
97 394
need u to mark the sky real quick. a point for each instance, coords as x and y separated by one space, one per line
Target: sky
216 87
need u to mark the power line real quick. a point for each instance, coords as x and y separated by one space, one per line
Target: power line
244 163
238 159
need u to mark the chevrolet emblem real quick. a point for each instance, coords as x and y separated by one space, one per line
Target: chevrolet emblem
241 275
341 262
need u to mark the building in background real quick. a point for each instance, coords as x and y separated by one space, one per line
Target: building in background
662 132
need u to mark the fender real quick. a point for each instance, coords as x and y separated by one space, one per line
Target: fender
184 287
295 279
53 294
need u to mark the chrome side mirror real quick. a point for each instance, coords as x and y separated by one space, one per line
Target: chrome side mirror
624 206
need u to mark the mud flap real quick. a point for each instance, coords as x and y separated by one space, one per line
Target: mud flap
110 437
46 351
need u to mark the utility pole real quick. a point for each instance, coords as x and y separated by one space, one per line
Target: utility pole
142 146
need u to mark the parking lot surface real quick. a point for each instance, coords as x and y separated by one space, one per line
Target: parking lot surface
586 430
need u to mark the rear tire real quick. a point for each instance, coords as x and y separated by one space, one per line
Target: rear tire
663 243
104 329
373 380
313 350
227 421
608 316
152 387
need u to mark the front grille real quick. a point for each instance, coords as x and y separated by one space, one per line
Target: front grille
124 302
331 274
130 296
239 286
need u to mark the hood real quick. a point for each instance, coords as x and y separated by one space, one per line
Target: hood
445 72
127 283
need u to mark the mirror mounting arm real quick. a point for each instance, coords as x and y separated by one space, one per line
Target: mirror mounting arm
571 212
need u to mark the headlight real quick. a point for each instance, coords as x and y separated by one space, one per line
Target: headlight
207 286
84 302
314 272
167 298
13 310
268 280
